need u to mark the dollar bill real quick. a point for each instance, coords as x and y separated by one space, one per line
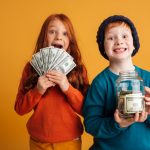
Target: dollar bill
39 61
45 57
35 66
59 59
66 65
58 55
134 103
52 58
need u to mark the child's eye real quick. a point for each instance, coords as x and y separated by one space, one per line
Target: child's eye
124 36
51 31
65 34
110 38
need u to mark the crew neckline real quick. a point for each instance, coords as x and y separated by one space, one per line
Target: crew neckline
112 72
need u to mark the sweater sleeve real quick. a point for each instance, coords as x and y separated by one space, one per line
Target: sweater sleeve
76 97
96 123
26 100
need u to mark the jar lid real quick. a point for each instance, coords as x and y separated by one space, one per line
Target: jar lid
128 73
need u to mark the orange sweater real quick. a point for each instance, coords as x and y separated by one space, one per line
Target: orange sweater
54 118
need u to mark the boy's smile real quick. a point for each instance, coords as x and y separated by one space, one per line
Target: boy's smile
119 50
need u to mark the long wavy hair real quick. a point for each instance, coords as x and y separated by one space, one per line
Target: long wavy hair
75 77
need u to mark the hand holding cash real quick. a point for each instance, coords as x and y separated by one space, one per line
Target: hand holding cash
58 78
52 58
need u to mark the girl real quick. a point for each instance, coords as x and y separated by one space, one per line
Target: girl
54 98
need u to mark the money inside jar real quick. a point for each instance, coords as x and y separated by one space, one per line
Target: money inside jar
130 94
130 103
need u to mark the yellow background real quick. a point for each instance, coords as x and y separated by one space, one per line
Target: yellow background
20 23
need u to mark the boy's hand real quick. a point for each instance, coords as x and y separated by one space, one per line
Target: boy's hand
58 78
147 99
127 122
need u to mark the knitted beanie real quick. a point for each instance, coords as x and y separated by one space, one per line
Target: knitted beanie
101 32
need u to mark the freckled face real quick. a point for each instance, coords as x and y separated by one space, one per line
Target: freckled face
118 42
57 35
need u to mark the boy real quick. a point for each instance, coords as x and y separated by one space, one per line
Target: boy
118 41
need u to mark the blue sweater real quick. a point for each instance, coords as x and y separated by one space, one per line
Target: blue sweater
98 112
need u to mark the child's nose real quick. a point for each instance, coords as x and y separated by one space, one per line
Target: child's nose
119 41
58 36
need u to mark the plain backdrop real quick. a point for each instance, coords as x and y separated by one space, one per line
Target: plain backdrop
20 24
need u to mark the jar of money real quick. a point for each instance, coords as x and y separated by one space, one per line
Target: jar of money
130 93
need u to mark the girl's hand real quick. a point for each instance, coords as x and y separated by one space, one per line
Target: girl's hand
43 84
58 78
127 122
147 99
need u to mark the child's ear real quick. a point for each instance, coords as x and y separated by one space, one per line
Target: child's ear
133 47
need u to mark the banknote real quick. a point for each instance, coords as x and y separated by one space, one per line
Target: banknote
39 61
34 64
52 58
65 66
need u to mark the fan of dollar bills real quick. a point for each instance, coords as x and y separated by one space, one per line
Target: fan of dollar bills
52 58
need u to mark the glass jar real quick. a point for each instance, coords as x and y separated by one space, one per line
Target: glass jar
130 93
